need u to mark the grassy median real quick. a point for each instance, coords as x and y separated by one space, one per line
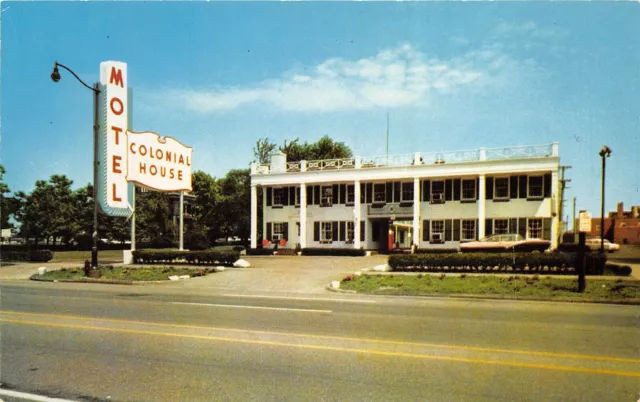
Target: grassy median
127 273
533 287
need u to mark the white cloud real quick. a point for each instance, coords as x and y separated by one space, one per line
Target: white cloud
395 77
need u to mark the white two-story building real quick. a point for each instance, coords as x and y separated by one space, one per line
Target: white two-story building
430 200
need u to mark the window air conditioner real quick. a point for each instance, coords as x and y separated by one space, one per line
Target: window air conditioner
438 197
276 236
436 237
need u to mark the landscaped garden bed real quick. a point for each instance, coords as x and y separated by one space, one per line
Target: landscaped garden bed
547 263
503 286
125 273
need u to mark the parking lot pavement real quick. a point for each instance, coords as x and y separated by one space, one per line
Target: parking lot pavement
285 274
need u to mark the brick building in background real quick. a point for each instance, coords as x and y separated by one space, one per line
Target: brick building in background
622 227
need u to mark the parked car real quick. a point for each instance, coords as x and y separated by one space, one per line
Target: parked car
505 242
594 244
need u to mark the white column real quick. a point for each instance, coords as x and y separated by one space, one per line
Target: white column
555 202
356 215
254 216
303 215
481 206
416 209
264 213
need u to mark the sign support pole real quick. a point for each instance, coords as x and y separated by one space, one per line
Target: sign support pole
94 249
133 221
181 220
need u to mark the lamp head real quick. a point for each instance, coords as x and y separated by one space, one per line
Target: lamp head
605 151
55 75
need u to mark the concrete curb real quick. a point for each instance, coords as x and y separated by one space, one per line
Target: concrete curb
37 278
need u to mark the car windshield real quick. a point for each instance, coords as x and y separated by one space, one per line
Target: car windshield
503 237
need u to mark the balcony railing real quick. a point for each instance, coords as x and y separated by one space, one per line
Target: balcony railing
429 158
331 164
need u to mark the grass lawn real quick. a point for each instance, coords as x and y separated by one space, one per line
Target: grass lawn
61 256
128 273
512 287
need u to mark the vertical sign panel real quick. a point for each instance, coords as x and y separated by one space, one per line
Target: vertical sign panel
112 184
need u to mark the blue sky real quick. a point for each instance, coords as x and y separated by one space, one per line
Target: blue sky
218 76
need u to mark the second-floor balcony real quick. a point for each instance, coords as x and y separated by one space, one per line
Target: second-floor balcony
416 159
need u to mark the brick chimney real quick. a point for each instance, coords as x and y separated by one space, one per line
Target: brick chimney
620 212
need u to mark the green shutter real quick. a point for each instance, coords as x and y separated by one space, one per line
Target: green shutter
547 185
397 188
523 187
546 228
425 230
285 227
489 188
334 231
316 231
316 195
513 225
456 230
269 196
457 183
369 193
488 227
448 190
427 190
342 230
448 230
269 231
513 187
362 230
389 191
522 227
309 195
343 194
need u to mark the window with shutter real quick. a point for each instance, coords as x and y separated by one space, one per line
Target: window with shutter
456 230
456 189
468 229
469 190
425 230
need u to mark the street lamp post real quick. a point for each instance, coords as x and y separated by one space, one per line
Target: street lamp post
605 152
55 76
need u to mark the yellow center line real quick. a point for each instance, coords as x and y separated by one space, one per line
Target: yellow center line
335 349
340 338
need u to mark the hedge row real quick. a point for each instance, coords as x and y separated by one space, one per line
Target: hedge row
204 257
260 251
617 270
346 252
33 255
560 262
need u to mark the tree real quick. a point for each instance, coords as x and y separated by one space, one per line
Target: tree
236 203
204 208
324 148
262 150
153 219
8 205
48 211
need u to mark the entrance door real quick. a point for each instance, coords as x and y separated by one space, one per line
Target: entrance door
380 231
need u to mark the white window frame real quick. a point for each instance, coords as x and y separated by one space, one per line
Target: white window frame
326 232
462 195
531 196
278 231
406 188
539 227
463 234
326 200
506 226
350 198
441 196
495 188
350 232
279 191
440 231
376 192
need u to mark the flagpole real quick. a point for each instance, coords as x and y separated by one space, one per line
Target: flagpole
387 138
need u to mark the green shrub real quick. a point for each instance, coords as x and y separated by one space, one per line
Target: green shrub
204 257
558 262
346 252
32 255
259 251
617 270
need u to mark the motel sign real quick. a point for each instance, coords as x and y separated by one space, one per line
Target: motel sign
125 157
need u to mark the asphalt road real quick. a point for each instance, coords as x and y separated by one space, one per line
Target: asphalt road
154 343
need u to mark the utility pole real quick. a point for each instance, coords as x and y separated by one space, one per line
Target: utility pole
574 217
563 187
